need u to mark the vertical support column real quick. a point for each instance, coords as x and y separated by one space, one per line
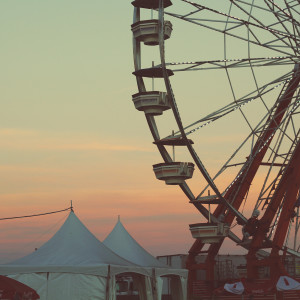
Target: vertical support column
288 187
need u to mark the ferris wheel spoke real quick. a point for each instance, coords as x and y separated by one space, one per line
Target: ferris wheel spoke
278 34
293 123
262 144
238 20
255 41
285 15
283 129
192 151
267 193
290 4
283 39
292 7
281 35
267 189
232 63
252 5
235 105
285 12
293 107
273 163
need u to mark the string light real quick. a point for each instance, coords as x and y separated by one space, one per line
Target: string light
232 60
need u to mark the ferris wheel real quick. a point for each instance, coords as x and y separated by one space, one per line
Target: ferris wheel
235 97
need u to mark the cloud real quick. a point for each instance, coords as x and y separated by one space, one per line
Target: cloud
16 132
100 146
19 139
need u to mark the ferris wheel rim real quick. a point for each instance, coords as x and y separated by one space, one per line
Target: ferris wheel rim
153 128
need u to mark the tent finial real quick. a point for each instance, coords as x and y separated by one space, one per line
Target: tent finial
71 206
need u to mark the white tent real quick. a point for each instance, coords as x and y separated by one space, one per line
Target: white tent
123 244
74 264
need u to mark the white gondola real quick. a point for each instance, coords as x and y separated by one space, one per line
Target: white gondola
152 103
146 31
209 232
174 172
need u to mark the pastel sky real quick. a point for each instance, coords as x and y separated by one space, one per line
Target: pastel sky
69 130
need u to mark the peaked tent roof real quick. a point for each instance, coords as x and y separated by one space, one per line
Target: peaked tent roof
72 249
122 243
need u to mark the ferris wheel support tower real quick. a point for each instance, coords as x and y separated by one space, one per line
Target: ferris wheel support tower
285 194
236 193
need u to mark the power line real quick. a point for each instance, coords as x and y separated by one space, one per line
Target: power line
37 215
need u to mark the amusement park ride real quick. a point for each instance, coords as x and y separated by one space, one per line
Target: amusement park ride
266 28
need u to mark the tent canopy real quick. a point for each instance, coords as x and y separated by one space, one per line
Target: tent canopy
74 262
72 249
123 244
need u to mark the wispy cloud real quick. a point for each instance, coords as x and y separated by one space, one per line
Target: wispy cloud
99 146
16 132
16 139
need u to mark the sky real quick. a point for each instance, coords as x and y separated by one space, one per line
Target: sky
69 130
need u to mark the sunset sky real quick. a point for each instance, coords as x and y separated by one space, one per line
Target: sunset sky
69 130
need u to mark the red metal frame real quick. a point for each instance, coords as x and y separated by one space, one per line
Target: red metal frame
237 192
286 190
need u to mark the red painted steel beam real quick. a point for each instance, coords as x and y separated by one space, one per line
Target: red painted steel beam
292 188
243 185
290 176
238 190
287 209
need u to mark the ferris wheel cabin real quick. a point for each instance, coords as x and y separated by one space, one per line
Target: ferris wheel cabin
152 103
174 172
146 31
209 233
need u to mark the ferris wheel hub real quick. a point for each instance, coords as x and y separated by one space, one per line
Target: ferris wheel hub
147 31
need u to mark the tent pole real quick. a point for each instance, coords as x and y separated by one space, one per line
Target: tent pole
154 285
107 294
47 285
